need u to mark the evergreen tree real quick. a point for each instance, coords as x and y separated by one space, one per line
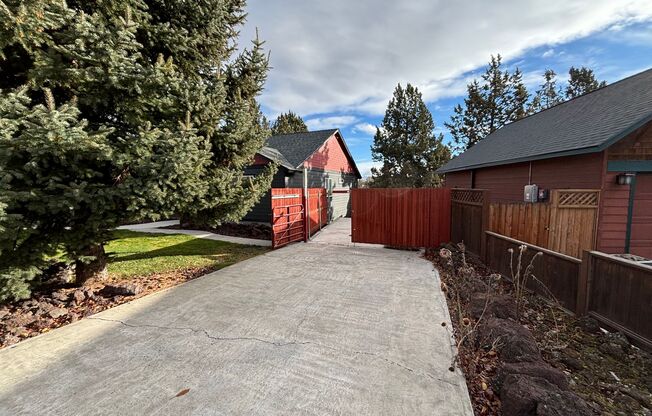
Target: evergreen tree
581 81
406 144
500 98
159 116
288 123
548 94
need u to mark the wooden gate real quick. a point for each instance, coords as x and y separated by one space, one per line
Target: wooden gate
288 216
401 217
566 225
317 209
470 218
290 208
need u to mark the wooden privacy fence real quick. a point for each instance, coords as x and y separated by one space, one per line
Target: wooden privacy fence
615 291
556 274
469 218
290 208
568 224
618 293
401 217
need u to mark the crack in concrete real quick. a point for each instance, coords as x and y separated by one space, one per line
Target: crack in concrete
278 344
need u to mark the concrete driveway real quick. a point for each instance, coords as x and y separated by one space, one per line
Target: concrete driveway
324 328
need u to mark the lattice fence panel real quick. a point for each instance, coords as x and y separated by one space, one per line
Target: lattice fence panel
578 198
467 196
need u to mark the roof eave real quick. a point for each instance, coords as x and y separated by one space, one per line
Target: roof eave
592 149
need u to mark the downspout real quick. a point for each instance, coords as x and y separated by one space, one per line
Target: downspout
529 177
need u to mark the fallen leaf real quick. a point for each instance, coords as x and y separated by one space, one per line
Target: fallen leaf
182 392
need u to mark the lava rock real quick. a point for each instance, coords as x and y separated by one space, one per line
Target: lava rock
21 319
79 296
572 362
612 349
538 369
61 296
588 324
57 312
524 395
498 306
9 339
120 290
515 342
19 331
3 313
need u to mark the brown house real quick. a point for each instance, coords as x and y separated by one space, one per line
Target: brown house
599 141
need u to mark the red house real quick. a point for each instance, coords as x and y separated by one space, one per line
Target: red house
321 155
601 140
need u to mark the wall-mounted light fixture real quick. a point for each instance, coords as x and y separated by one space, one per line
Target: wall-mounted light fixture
625 178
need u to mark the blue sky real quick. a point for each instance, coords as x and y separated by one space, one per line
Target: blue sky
336 64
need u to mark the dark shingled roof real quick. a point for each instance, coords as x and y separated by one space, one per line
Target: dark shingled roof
273 154
298 147
586 124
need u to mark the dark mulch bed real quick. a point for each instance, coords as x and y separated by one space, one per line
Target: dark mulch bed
60 305
257 231
602 368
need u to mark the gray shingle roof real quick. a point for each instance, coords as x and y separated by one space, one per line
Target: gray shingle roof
273 154
586 124
299 146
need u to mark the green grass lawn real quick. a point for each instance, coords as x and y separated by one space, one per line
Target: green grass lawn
137 254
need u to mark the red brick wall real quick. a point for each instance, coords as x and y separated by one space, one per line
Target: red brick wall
330 156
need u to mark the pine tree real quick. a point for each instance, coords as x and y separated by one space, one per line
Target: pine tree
288 123
581 81
549 93
406 144
158 116
500 98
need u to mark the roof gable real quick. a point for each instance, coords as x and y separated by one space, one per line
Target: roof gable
295 149
585 124
299 146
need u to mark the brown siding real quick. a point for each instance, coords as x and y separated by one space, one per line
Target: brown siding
636 146
641 240
505 183
458 179
572 172
612 227
613 215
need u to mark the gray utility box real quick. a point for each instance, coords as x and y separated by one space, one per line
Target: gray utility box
530 193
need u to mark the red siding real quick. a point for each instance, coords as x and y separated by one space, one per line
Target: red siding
458 179
641 238
612 227
330 156
260 160
572 172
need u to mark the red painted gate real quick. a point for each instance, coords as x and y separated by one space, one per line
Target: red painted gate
401 217
289 210
317 209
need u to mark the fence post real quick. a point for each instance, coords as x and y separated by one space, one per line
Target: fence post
583 284
485 226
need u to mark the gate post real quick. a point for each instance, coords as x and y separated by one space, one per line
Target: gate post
306 206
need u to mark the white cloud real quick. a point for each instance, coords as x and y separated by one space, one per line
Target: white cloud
364 166
365 128
547 54
344 56
334 122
